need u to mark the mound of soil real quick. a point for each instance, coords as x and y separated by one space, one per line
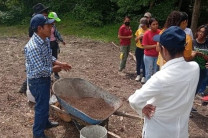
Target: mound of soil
95 108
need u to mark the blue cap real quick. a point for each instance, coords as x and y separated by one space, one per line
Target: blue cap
172 37
39 20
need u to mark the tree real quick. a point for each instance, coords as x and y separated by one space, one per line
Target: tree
195 15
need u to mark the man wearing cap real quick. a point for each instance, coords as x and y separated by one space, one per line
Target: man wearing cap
38 9
39 65
166 99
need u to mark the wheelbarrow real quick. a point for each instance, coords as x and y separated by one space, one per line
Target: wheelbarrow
77 87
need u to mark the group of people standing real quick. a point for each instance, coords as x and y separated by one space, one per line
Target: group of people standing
175 65
148 58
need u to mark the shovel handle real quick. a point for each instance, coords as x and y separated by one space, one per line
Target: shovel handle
133 116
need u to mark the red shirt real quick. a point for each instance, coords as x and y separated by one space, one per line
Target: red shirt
125 31
148 40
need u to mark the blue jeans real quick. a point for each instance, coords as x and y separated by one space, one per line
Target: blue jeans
150 66
40 89
202 81
139 53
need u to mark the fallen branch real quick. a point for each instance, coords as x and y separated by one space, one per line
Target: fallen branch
114 44
113 134
131 54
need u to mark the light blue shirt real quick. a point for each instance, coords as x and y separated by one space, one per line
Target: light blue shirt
39 57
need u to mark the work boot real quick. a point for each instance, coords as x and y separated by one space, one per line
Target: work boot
23 88
52 124
56 75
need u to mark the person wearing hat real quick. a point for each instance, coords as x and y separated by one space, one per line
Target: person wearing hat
38 9
147 15
166 99
54 38
39 65
139 52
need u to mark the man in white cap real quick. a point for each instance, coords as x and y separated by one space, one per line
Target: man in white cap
166 99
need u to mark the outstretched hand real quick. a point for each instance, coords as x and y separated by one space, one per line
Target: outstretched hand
56 68
65 66
149 110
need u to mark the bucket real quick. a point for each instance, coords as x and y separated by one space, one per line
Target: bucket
93 131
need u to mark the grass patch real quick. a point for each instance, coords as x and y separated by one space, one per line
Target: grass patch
70 26
13 31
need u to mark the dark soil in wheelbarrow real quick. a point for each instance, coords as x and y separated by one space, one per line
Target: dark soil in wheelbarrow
93 61
95 108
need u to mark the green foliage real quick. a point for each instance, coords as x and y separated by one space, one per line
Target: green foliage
13 16
94 12
162 10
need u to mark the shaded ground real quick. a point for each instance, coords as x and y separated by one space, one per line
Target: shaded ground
94 61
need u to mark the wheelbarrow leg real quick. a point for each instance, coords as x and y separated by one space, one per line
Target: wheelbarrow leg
77 125
105 123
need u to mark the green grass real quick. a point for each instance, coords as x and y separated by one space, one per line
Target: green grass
13 31
70 26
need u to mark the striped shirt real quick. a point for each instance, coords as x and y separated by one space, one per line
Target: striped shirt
39 57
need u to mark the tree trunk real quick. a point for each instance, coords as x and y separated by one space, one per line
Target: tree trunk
180 4
195 15
151 4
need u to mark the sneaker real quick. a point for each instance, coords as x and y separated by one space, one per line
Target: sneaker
193 110
143 80
138 78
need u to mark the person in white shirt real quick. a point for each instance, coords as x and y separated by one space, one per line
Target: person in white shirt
166 99
188 31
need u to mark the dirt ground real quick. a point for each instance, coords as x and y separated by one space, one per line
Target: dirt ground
94 61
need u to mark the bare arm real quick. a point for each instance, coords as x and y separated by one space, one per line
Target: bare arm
149 46
123 37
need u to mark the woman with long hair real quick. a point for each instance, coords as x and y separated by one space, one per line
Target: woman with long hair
150 53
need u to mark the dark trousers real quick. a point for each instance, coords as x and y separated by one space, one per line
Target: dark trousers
55 48
202 78
139 53
40 89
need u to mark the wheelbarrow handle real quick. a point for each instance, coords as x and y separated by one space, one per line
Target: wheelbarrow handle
133 116
58 109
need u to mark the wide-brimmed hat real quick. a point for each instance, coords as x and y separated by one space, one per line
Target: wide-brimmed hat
39 20
40 8
173 37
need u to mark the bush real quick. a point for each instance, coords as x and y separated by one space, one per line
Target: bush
11 17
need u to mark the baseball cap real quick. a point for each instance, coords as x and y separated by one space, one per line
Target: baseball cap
143 21
39 8
53 15
39 20
148 14
174 36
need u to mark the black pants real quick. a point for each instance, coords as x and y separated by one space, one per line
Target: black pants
139 53
55 48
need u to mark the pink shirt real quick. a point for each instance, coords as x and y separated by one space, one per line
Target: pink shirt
52 37
148 40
